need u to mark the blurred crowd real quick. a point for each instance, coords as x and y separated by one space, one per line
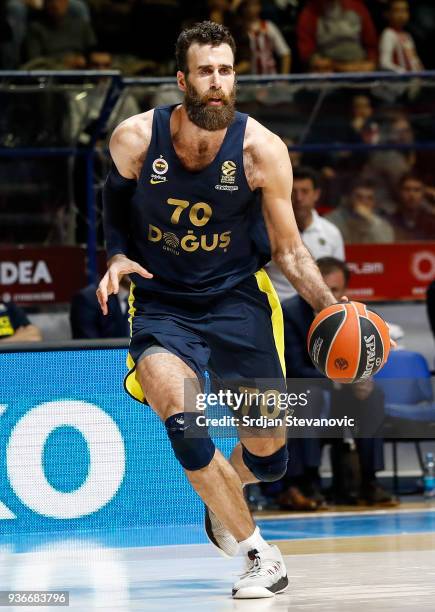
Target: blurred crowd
273 36
394 199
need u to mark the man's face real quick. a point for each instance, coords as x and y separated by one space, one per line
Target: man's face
362 107
252 9
402 132
209 86
411 194
56 9
336 282
398 15
304 196
363 197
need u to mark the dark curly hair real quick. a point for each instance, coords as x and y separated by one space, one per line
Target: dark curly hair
203 33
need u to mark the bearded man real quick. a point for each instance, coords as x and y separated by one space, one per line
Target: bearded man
178 207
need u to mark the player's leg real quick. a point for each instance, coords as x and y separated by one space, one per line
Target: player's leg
261 459
248 326
162 377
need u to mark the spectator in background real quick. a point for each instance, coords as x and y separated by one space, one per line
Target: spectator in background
357 219
414 220
8 50
87 320
222 12
320 236
385 168
77 8
361 115
337 36
15 325
430 305
397 51
218 11
362 400
422 27
59 36
301 484
126 105
84 114
153 28
265 39
18 13
111 20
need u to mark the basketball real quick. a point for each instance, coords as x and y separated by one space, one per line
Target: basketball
347 342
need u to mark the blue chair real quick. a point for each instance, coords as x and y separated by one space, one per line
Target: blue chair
406 382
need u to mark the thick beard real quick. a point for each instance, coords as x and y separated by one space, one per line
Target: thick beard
207 117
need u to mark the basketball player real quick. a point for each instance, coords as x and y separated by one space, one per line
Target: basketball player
178 205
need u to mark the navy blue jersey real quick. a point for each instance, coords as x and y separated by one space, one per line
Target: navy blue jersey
192 230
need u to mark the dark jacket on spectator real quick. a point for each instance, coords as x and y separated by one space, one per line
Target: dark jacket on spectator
87 320
72 35
298 316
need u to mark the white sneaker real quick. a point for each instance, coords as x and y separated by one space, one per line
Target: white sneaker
219 535
266 576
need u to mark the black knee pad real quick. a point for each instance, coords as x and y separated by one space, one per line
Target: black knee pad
192 446
267 469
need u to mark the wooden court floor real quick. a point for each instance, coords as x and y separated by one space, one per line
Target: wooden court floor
346 561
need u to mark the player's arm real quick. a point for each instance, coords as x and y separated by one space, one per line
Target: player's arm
127 148
287 248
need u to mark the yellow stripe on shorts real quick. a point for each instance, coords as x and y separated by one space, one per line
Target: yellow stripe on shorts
131 382
265 285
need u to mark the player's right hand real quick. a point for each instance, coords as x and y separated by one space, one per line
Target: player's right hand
119 266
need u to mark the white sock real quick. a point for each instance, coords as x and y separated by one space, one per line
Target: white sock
254 541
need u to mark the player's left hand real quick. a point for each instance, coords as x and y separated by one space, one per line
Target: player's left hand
119 266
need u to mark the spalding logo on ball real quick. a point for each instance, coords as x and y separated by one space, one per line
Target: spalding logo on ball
347 342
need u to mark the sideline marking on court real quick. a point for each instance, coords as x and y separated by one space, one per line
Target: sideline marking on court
323 514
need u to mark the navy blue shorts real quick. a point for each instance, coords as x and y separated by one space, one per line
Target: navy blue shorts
239 335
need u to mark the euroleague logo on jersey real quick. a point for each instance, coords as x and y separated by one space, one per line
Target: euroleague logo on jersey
228 176
160 167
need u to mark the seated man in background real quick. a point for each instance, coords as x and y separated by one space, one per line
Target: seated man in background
15 325
87 320
413 219
362 400
357 219
18 13
321 237
337 36
59 36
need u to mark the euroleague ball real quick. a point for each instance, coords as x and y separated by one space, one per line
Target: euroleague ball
347 342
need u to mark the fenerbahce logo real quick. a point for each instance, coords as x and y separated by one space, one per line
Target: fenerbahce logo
228 177
160 167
